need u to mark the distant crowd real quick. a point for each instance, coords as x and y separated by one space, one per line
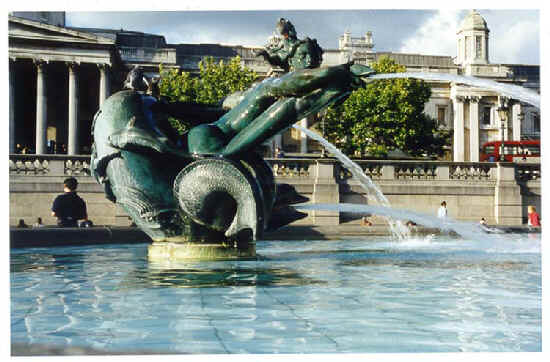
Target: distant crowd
533 218
52 148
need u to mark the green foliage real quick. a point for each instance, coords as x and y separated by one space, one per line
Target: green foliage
385 115
216 80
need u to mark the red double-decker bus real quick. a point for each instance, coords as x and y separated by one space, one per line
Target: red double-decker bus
491 151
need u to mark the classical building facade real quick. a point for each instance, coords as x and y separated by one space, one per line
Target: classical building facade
59 76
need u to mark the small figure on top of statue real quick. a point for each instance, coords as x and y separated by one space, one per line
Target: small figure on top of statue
291 53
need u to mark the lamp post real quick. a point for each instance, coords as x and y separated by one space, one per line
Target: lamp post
503 116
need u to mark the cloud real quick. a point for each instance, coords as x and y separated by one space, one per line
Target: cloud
514 37
215 37
436 36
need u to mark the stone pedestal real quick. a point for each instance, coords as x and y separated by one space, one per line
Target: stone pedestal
508 205
325 191
163 251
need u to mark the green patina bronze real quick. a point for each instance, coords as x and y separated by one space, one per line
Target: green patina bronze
210 187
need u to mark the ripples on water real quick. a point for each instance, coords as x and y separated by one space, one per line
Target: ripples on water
423 294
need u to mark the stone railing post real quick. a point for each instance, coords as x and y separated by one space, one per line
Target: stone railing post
325 191
442 172
388 172
508 206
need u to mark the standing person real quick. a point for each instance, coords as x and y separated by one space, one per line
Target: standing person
279 153
69 207
533 217
442 211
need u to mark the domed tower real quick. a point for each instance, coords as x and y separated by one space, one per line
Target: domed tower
473 40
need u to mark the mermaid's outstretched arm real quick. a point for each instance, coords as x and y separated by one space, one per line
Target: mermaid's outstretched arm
294 84
274 105
281 115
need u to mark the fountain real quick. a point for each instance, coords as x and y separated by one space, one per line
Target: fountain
206 197
208 194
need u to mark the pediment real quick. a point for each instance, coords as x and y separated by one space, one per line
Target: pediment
22 29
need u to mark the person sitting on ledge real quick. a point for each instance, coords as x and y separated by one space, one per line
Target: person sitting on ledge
38 223
21 224
365 221
69 207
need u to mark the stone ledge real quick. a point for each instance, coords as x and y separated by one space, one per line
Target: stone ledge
54 236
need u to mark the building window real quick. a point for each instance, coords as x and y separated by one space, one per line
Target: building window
536 123
478 47
486 116
441 111
468 46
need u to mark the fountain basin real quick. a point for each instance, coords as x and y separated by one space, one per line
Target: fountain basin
432 294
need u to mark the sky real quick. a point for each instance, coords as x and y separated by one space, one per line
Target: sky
514 34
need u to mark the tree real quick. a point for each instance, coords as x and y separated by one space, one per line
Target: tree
216 80
385 115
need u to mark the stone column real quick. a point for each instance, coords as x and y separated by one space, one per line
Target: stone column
458 140
303 136
41 108
516 121
12 106
474 128
104 83
503 103
74 146
503 130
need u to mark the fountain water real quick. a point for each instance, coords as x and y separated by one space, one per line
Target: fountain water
469 231
394 217
435 294
509 90
397 228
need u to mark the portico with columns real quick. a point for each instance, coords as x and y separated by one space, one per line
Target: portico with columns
58 79
476 120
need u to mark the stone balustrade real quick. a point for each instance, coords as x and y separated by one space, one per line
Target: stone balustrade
402 170
49 165
63 165
303 168
499 192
